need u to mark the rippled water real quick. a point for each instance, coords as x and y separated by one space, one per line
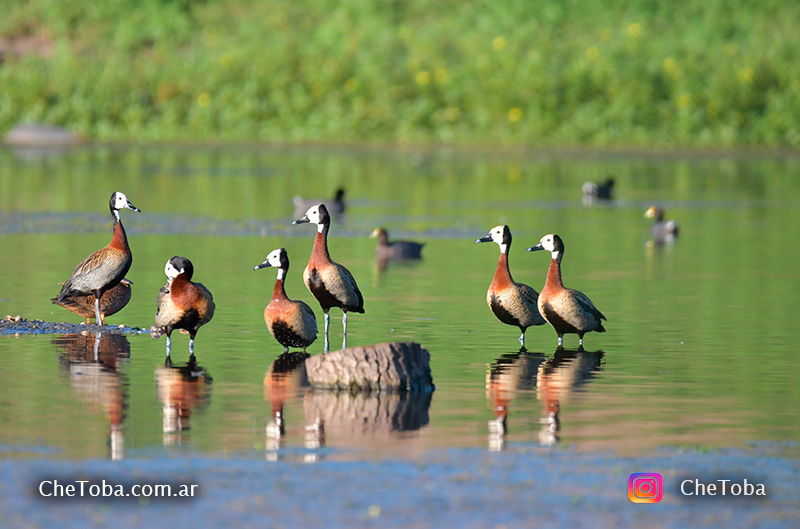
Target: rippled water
698 351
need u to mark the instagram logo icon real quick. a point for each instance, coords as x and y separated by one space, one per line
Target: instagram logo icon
645 487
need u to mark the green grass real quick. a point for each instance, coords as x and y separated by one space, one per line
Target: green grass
710 73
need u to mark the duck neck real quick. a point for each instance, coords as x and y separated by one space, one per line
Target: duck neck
279 292
554 273
119 240
321 242
383 239
502 273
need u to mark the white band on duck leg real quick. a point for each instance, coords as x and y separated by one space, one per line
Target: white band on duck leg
344 325
97 315
327 324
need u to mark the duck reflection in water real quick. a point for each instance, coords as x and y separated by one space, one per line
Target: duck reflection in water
286 378
554 379
182 389
509 374
367 419
92 363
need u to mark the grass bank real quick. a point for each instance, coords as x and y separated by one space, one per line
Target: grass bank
704 73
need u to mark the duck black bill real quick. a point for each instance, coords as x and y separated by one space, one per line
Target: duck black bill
301 220
485 238
535 248
262 265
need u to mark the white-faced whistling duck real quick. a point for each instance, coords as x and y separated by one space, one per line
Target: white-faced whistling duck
566 309
105 268
331 283
111 302
335 205
183 304
662 230
513 303
395 249
291 322
593 191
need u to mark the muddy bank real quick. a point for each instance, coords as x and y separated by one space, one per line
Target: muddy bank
17 325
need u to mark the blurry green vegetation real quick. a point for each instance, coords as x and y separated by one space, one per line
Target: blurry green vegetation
711 73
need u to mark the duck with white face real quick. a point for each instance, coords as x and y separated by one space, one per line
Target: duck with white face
182 304
569 311
511 302
331 283
105 268
291 322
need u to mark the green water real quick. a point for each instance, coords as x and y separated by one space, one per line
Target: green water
699 349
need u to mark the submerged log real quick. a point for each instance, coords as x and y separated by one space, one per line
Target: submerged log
395 366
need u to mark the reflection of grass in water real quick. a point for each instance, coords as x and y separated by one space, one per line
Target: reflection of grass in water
707 73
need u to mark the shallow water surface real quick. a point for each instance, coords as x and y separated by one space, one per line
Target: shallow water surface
697 354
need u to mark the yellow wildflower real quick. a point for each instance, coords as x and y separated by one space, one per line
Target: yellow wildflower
451 113
592 53
684 101
226 60
514 114
671 67
634 29
747 75
204 99
423 78
499 43
441 75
